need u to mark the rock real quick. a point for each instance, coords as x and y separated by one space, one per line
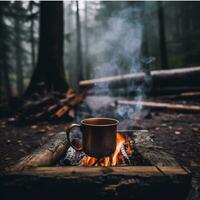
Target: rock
34 126
8 141
195 129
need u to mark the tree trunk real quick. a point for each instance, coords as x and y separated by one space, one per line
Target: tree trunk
4 49
1 82
18 50
50 70
161 25
32 39
6 76
79 45
87 68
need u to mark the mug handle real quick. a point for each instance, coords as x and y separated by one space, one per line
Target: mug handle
68 136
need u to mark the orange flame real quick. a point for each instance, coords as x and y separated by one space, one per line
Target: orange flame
116 159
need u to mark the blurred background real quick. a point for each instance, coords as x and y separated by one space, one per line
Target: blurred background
100 39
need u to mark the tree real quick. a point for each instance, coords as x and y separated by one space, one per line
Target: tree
19 14
32 26
87 68
4 51
161 26
50 70
79 45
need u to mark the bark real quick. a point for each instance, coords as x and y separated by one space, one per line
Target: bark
50 70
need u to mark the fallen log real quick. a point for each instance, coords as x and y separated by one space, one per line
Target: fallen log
182 96
45 156
161 106
183 77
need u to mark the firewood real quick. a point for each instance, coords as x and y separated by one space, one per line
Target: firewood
162 106
62 111
45 156
66 100
65 109
34 107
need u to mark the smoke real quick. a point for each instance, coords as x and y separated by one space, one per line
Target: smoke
117 47
116 50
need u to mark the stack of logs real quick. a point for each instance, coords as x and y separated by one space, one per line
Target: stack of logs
53 107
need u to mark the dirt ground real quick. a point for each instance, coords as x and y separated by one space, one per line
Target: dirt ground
179 134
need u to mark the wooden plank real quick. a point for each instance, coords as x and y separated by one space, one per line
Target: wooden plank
97 171
173 170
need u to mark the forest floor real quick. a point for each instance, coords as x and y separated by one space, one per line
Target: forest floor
179 134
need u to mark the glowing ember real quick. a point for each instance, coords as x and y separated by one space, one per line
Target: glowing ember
122 150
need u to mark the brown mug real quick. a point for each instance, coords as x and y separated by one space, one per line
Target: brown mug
99 136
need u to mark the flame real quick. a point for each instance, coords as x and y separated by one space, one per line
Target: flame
117 157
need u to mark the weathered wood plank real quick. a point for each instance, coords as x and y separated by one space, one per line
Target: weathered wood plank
97 171
128 184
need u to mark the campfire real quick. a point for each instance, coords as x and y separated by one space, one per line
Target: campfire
122 152
119 157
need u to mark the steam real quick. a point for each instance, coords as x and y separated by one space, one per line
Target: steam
116 50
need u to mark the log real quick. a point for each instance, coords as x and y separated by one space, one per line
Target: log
183 96
162 106
45 156
136 183
33 107
155 156
78 171
158 79
65 109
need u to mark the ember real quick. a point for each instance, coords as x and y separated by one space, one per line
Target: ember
122 153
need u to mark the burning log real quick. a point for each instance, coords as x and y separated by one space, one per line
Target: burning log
176 79
162 106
